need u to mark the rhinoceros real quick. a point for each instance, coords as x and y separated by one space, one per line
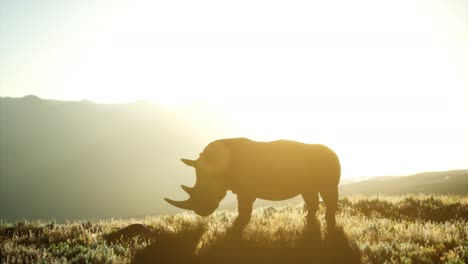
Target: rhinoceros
275 170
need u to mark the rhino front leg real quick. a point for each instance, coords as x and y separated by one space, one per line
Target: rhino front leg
245 204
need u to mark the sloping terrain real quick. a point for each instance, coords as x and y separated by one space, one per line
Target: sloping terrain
73 160
447 182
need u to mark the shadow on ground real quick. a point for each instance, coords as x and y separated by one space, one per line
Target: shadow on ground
333 247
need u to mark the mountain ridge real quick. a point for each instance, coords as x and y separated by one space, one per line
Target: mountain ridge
79 159
434 182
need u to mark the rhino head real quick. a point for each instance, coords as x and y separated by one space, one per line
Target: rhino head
210 186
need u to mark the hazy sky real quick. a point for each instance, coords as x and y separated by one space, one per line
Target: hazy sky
384 83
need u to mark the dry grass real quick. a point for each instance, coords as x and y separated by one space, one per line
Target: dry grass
385 229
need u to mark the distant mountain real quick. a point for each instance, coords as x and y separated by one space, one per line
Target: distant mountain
446 182
73 160
62 159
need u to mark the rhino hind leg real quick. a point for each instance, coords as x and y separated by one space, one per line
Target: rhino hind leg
311 200
329 195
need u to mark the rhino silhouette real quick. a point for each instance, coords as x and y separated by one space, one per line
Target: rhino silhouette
275 170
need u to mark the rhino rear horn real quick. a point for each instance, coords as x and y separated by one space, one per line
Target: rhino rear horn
180 204
191 163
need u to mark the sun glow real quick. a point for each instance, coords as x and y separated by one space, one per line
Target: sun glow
384 84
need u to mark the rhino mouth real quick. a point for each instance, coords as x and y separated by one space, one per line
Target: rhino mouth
202 204
205 211
207 193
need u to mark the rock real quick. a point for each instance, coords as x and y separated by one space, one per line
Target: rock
128 233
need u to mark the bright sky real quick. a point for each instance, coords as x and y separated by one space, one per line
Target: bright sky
384 83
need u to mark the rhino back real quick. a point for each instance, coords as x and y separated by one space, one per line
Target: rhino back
280 169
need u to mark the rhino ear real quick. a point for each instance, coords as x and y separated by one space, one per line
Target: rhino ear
191 163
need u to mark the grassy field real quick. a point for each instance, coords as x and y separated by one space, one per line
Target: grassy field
385 229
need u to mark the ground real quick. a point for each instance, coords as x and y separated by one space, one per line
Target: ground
385 229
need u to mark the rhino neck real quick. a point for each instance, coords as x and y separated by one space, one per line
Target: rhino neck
228 181
229 178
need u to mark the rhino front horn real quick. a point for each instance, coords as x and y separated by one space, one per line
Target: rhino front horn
187 205
187 189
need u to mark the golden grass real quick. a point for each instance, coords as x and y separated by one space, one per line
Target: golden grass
379 229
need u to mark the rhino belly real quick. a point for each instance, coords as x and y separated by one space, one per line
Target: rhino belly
275 187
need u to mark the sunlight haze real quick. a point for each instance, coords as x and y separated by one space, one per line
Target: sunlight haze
383 83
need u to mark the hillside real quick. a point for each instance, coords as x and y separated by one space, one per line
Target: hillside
390 229
73 160
446 182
